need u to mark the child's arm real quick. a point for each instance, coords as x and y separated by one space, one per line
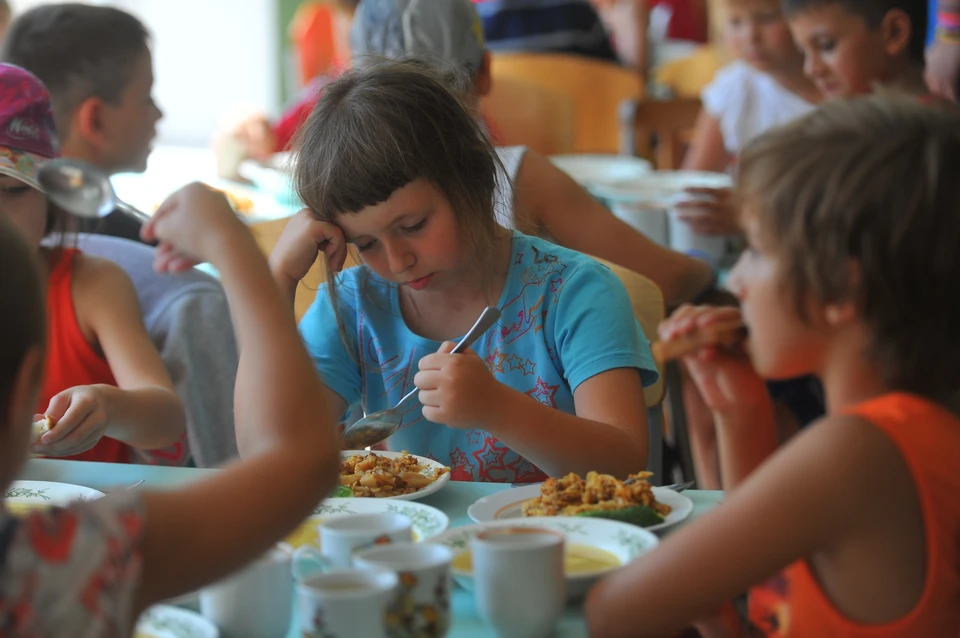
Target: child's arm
588 325
608 434
142 410
738 398
303 239
782 513
211 528
707 150
558 206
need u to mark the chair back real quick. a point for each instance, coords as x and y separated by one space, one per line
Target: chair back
658 130
529 115
594 87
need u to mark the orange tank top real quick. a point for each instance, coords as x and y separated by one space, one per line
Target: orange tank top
793 605
71 361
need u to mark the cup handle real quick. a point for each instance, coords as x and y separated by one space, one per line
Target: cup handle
307 562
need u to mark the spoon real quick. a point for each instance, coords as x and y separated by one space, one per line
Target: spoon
82 189
376 427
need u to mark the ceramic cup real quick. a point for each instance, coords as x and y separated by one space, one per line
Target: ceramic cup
519 580
650 218
343 536
346 603
423 595
255 602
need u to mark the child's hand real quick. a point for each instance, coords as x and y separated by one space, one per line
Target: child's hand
191 225
456 390
302 240
711 214
724 375
256 136
80 415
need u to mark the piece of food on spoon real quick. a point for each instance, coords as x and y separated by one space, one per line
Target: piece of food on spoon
721 334
600 496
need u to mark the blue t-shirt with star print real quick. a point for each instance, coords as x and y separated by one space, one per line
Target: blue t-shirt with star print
565 318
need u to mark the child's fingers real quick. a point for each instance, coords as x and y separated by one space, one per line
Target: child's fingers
58 406
446 347
67 426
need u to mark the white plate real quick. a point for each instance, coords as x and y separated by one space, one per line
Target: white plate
659 186
429 466
587 170
508 505
32 493
626 542
164 621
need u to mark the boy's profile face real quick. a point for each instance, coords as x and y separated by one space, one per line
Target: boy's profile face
130 125
844 56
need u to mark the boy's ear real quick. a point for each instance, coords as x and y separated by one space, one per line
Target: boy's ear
22 403
89 121
897 30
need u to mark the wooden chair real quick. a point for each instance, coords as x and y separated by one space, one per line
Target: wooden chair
649 308
658 130
595 88
687 77
532 116
267 234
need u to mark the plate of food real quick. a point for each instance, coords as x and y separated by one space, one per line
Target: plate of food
594 547
632 501
390 475
165 621
25 496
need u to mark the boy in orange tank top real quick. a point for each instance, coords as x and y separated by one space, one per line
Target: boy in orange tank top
850 529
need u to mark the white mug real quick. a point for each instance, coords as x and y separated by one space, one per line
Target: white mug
255 602
342 536
519 580
648 217
423 595
346 603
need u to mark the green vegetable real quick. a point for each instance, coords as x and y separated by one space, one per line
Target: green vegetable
342 491
642 515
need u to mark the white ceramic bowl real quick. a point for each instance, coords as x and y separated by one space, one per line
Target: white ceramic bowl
625 542
587 170
430 466
661 187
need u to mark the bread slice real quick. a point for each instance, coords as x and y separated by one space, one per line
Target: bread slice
722 334
40 426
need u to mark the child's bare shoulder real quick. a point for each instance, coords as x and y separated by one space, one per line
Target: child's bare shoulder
95 276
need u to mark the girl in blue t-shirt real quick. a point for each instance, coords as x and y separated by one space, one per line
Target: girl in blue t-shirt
393 163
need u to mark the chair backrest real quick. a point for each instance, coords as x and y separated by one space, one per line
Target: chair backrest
594 87
267 234
529 115
658 130
687 77
649 308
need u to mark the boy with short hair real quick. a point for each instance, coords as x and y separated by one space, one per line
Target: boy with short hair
96 63
852 46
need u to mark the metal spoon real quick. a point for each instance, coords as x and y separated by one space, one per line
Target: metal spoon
82 189
378 426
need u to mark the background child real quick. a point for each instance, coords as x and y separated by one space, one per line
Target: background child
91 568
105 386
764 88
96 62
850 214
392 162
853 46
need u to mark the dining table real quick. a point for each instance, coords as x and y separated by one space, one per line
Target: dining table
453 500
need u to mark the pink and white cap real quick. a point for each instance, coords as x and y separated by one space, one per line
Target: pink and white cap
28 135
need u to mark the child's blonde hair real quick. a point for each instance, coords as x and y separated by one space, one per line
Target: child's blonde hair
860 201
